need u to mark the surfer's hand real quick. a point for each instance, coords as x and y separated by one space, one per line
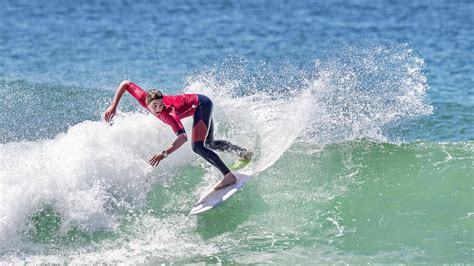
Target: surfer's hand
109 113
155 160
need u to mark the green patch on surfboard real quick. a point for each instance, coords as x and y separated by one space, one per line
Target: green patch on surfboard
239 164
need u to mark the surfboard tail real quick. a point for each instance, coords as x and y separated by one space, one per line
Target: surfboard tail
215 198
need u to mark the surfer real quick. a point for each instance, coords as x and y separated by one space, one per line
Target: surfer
171 109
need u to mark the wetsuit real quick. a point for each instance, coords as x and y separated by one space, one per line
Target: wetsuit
180 106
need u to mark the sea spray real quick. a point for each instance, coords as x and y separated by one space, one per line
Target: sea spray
361 92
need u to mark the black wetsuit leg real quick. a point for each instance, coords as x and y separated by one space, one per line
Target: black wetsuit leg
222 145
201 125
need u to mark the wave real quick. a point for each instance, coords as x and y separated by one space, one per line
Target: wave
325 160
400 197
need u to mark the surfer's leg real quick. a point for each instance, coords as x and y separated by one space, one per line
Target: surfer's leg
210 156
223 145
201 124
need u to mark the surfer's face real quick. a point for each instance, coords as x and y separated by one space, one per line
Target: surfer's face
156 106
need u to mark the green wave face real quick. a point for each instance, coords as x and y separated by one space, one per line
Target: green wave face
371 202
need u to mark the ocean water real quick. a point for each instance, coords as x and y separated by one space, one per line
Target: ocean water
360 115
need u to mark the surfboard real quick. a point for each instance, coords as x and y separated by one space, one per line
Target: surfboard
215 198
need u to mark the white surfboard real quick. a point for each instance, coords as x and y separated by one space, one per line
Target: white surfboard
215 198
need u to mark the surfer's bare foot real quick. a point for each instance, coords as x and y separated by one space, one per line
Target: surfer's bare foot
228 180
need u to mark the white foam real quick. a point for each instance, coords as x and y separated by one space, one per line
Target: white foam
79 172
156 239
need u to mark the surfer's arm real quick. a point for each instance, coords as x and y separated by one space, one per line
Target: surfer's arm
177 143
110 112
138 93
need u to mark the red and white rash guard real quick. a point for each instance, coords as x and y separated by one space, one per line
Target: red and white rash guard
176 107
